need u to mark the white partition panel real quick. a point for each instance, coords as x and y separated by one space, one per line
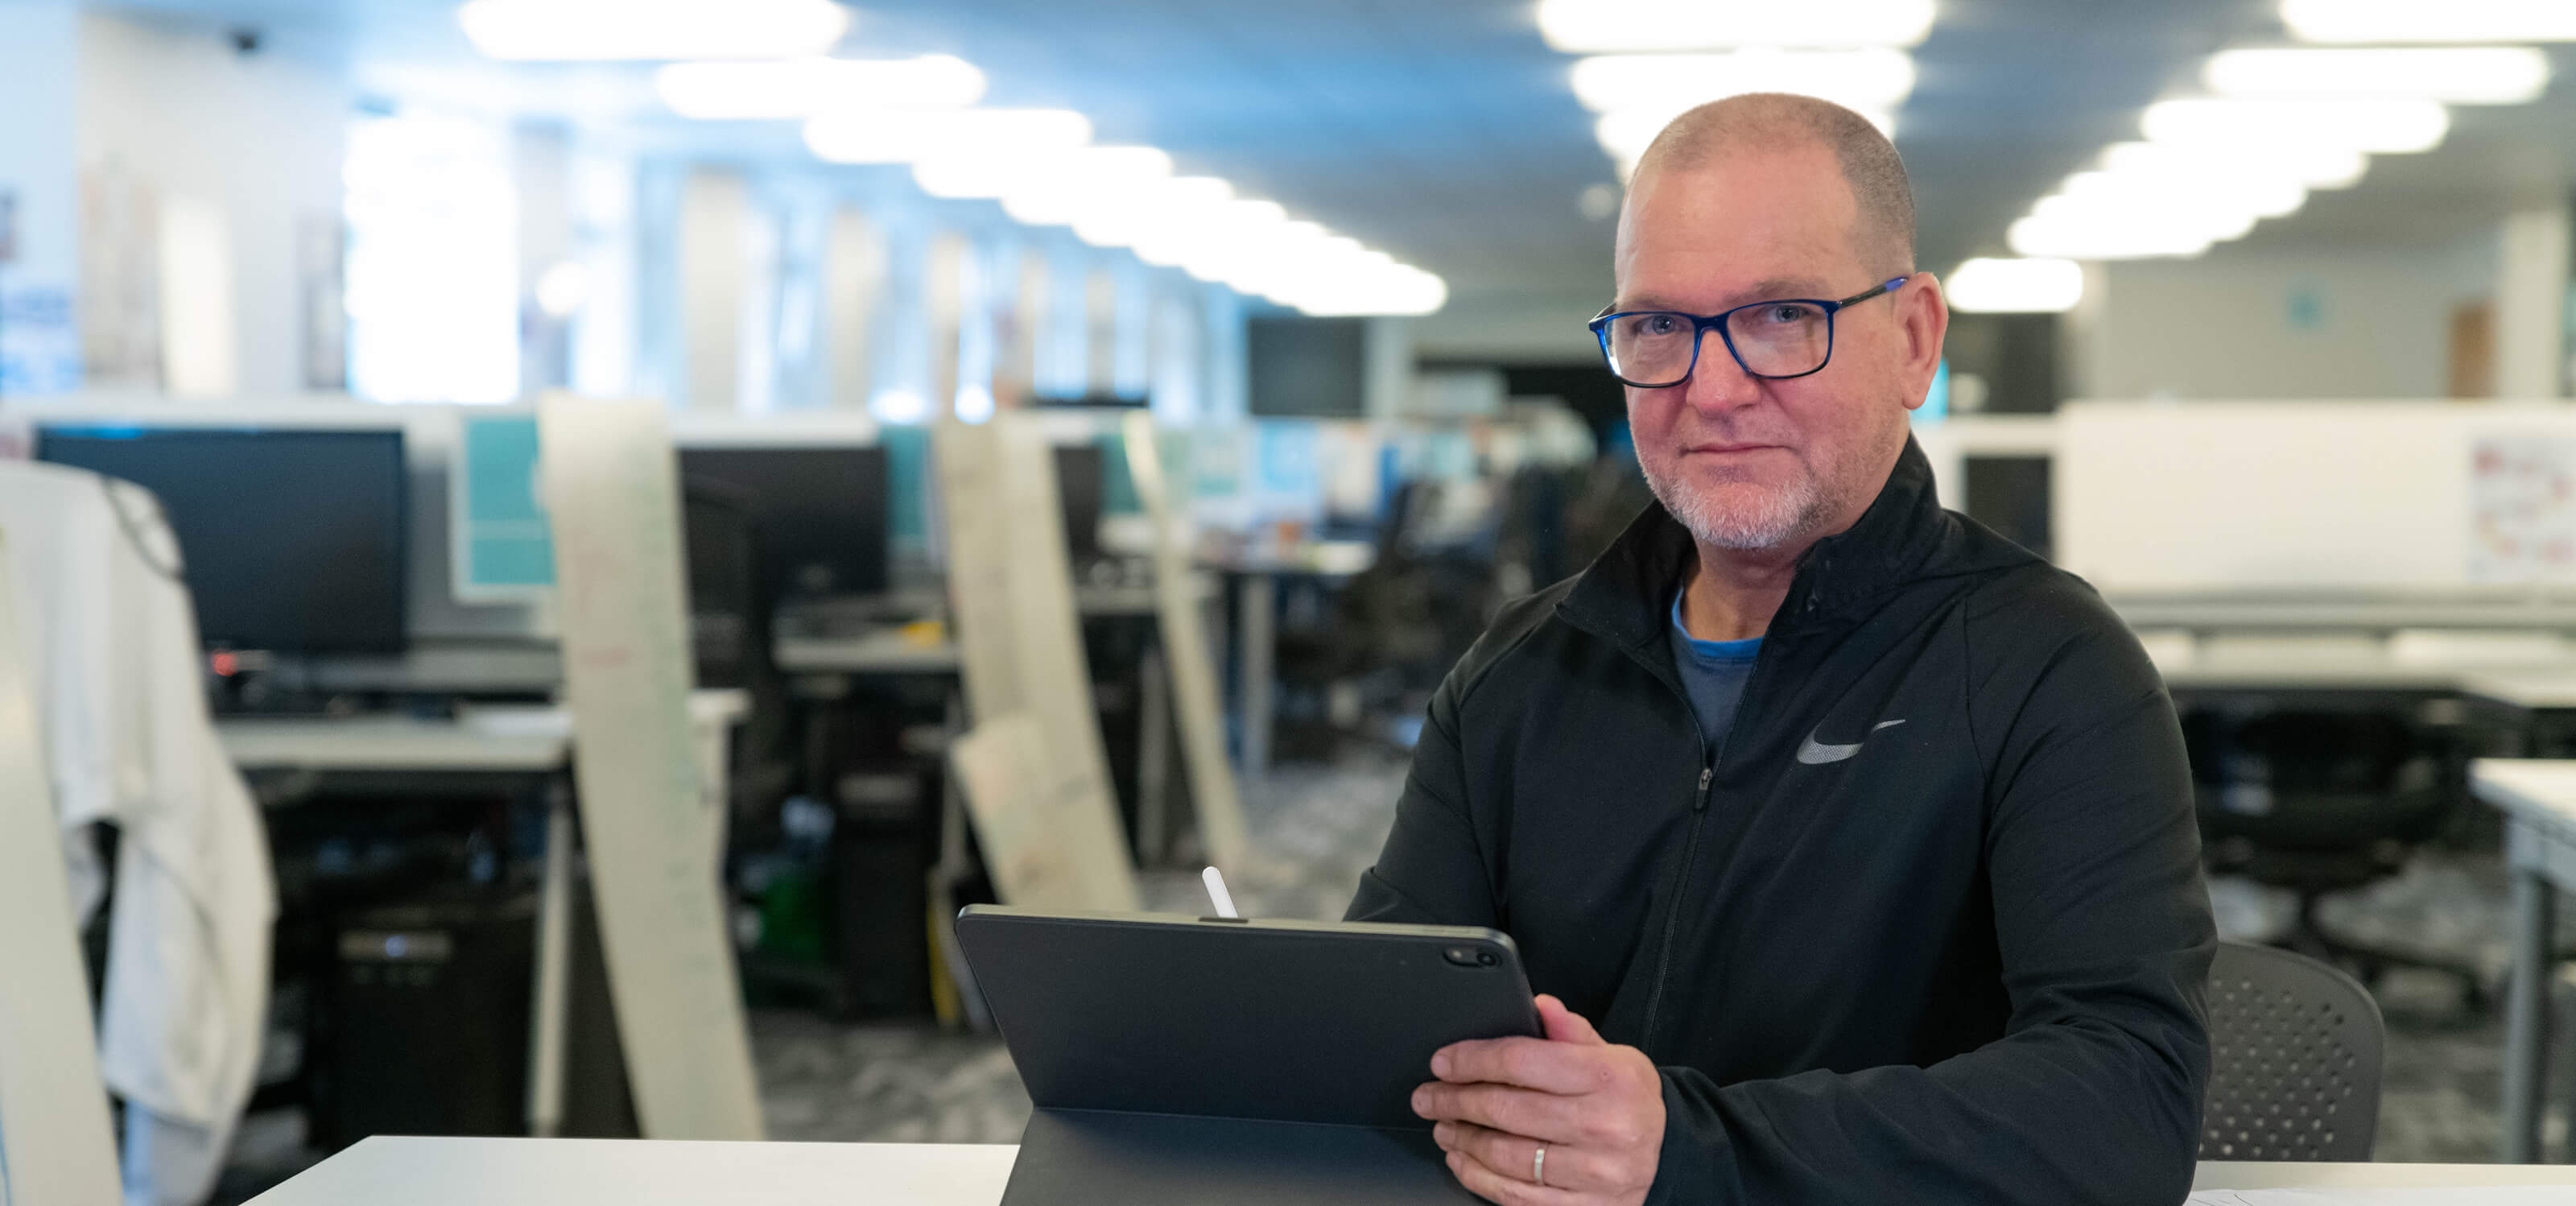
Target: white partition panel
55 1146
2309 496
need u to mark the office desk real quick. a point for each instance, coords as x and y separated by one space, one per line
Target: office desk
882 651
1256 625
390 1171
2538 798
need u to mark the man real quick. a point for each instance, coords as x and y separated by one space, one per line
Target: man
1852 845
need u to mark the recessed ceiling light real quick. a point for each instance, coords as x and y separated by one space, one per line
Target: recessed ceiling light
1599 26
2028 285
2376 126
793 88
2471 75
576 30
1869 79
2431 20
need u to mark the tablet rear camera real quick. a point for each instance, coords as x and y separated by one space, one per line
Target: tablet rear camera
1468 956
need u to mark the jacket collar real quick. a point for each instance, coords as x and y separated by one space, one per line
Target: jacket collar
1625 593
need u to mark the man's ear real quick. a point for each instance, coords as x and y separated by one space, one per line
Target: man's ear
1923 316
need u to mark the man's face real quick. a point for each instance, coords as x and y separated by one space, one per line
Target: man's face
1756 463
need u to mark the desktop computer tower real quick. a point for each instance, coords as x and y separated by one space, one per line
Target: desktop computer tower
425 1029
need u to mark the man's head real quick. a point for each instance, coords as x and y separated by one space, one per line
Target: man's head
1761 198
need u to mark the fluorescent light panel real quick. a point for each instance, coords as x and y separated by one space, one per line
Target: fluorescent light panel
906 136
2386 126
2029 285
590 30
2430 20
1871 78
2464 75
1612 26
794 88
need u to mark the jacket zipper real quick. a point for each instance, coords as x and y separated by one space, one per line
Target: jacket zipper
1690 858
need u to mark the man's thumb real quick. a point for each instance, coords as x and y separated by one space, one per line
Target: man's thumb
1564 1025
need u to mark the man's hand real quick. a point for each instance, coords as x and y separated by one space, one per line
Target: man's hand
1597 1109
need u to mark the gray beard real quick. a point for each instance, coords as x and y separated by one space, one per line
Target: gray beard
1775 518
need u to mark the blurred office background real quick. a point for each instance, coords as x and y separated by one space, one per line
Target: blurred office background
2262 324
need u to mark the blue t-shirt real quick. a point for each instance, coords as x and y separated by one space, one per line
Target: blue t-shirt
1713 675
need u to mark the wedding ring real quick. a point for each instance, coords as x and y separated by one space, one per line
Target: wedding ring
1538 1165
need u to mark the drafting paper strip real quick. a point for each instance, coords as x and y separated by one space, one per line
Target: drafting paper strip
1018 638
611 487
55 1144
1185 647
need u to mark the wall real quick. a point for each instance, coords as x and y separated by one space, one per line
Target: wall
260 137
39 347
2322 322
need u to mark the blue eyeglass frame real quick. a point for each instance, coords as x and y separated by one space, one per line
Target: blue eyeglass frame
1702 323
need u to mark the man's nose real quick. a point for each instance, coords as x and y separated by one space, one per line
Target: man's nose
1717 382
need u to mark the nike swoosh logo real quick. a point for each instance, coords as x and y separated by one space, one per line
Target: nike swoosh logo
1816 753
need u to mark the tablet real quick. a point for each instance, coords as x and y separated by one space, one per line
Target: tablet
1283 1021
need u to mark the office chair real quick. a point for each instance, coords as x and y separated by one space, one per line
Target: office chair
2322 802
2294 1059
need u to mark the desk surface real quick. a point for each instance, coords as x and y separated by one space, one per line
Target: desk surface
507 740
2539 790
2356 664
388 1171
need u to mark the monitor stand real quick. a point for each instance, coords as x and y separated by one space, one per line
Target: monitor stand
1115 1158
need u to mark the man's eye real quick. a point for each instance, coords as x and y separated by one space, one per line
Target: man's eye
1788 313
1658 324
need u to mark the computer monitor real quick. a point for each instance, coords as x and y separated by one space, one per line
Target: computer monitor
819 512
1079 480
294 540
1305 368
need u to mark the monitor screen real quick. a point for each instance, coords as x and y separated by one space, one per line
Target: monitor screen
1307 367
1078 480
819 513
294 539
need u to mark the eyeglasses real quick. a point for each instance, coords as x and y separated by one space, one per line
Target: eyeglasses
1784 337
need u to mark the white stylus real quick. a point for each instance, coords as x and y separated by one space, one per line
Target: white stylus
1217 894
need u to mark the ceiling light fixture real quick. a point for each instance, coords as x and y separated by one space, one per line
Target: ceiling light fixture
1609 26
1626 133
2314 167
2460 75
793 88
2385 126
907 136
2423 21
593 30
2102 238
2028 285
1870 78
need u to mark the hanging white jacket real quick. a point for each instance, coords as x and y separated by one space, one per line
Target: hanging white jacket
113 643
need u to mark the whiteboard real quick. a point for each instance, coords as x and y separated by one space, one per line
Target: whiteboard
2301 496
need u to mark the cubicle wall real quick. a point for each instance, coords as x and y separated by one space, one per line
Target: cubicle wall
2295 497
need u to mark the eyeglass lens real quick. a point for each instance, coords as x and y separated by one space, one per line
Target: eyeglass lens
1774 339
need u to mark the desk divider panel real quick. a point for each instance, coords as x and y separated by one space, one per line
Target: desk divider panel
611 484
55 1142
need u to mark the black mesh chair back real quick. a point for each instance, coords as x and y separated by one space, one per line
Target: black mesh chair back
2294 1054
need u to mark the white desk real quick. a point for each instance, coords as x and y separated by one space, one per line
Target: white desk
1256 625
2538 798
885 651
388 1171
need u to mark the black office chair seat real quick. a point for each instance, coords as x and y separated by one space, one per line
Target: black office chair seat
2295 1059
2319 803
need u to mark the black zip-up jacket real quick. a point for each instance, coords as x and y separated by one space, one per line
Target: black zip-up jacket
1927 926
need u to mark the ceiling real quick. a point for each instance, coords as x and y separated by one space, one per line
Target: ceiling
1444 130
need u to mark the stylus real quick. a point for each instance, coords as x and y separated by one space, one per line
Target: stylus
1217 894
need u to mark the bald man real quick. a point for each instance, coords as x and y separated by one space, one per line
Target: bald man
1851 845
